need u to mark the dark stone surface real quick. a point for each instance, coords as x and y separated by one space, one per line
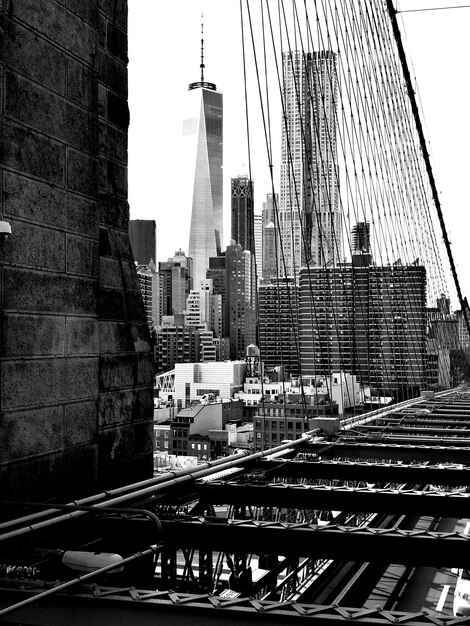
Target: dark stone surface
82 336
36 247
112 72
58 25
115 337
115 10
114 211
81 423
51 381
27 335
82 256
31 153
76 375
46 204
116 179
112 142
23 51
116 42
34 106
117 371
118 111
82 85
15 432
111 305
82 173
48 293
87 9
44 475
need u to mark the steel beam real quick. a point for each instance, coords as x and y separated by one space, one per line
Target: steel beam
107 607
339 499
403 451
417 440
411 431
454 415
355 544
442 411
368 472
428 420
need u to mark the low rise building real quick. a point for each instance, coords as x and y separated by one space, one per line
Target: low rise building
162 437
234 437
190 431
276 421
195 380
343 388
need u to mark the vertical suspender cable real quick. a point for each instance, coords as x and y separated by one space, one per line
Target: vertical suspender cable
414 107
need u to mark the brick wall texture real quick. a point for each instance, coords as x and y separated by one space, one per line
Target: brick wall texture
76 370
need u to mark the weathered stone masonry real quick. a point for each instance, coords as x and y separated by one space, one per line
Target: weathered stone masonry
76 367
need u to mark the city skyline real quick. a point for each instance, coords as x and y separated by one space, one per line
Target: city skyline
224 66
152 428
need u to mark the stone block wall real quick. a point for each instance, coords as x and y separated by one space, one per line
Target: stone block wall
76 368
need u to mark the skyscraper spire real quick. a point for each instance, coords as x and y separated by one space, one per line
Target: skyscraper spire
202 83
202 48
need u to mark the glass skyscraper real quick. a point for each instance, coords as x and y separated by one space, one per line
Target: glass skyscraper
309 215
243 223
143 241
203 138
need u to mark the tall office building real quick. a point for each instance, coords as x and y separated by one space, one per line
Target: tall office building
148 282
176 344
240 299
243 224
174 284
203 307
217 274
278 304
143 241
366 320
270 244
203 139
258 230
464 337
204 312
269 208
270 238
309 216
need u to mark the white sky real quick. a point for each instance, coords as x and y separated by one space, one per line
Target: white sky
164 47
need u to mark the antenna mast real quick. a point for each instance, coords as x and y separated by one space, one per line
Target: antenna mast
201 84
202 48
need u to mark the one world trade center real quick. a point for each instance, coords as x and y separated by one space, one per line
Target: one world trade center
203 142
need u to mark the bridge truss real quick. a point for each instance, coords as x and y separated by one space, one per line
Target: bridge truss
303 532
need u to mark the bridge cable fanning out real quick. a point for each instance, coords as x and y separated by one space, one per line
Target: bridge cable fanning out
356 215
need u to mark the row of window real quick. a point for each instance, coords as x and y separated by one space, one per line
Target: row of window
280 425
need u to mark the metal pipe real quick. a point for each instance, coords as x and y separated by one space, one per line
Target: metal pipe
191 475
91 509
102 570
107 494
365 418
